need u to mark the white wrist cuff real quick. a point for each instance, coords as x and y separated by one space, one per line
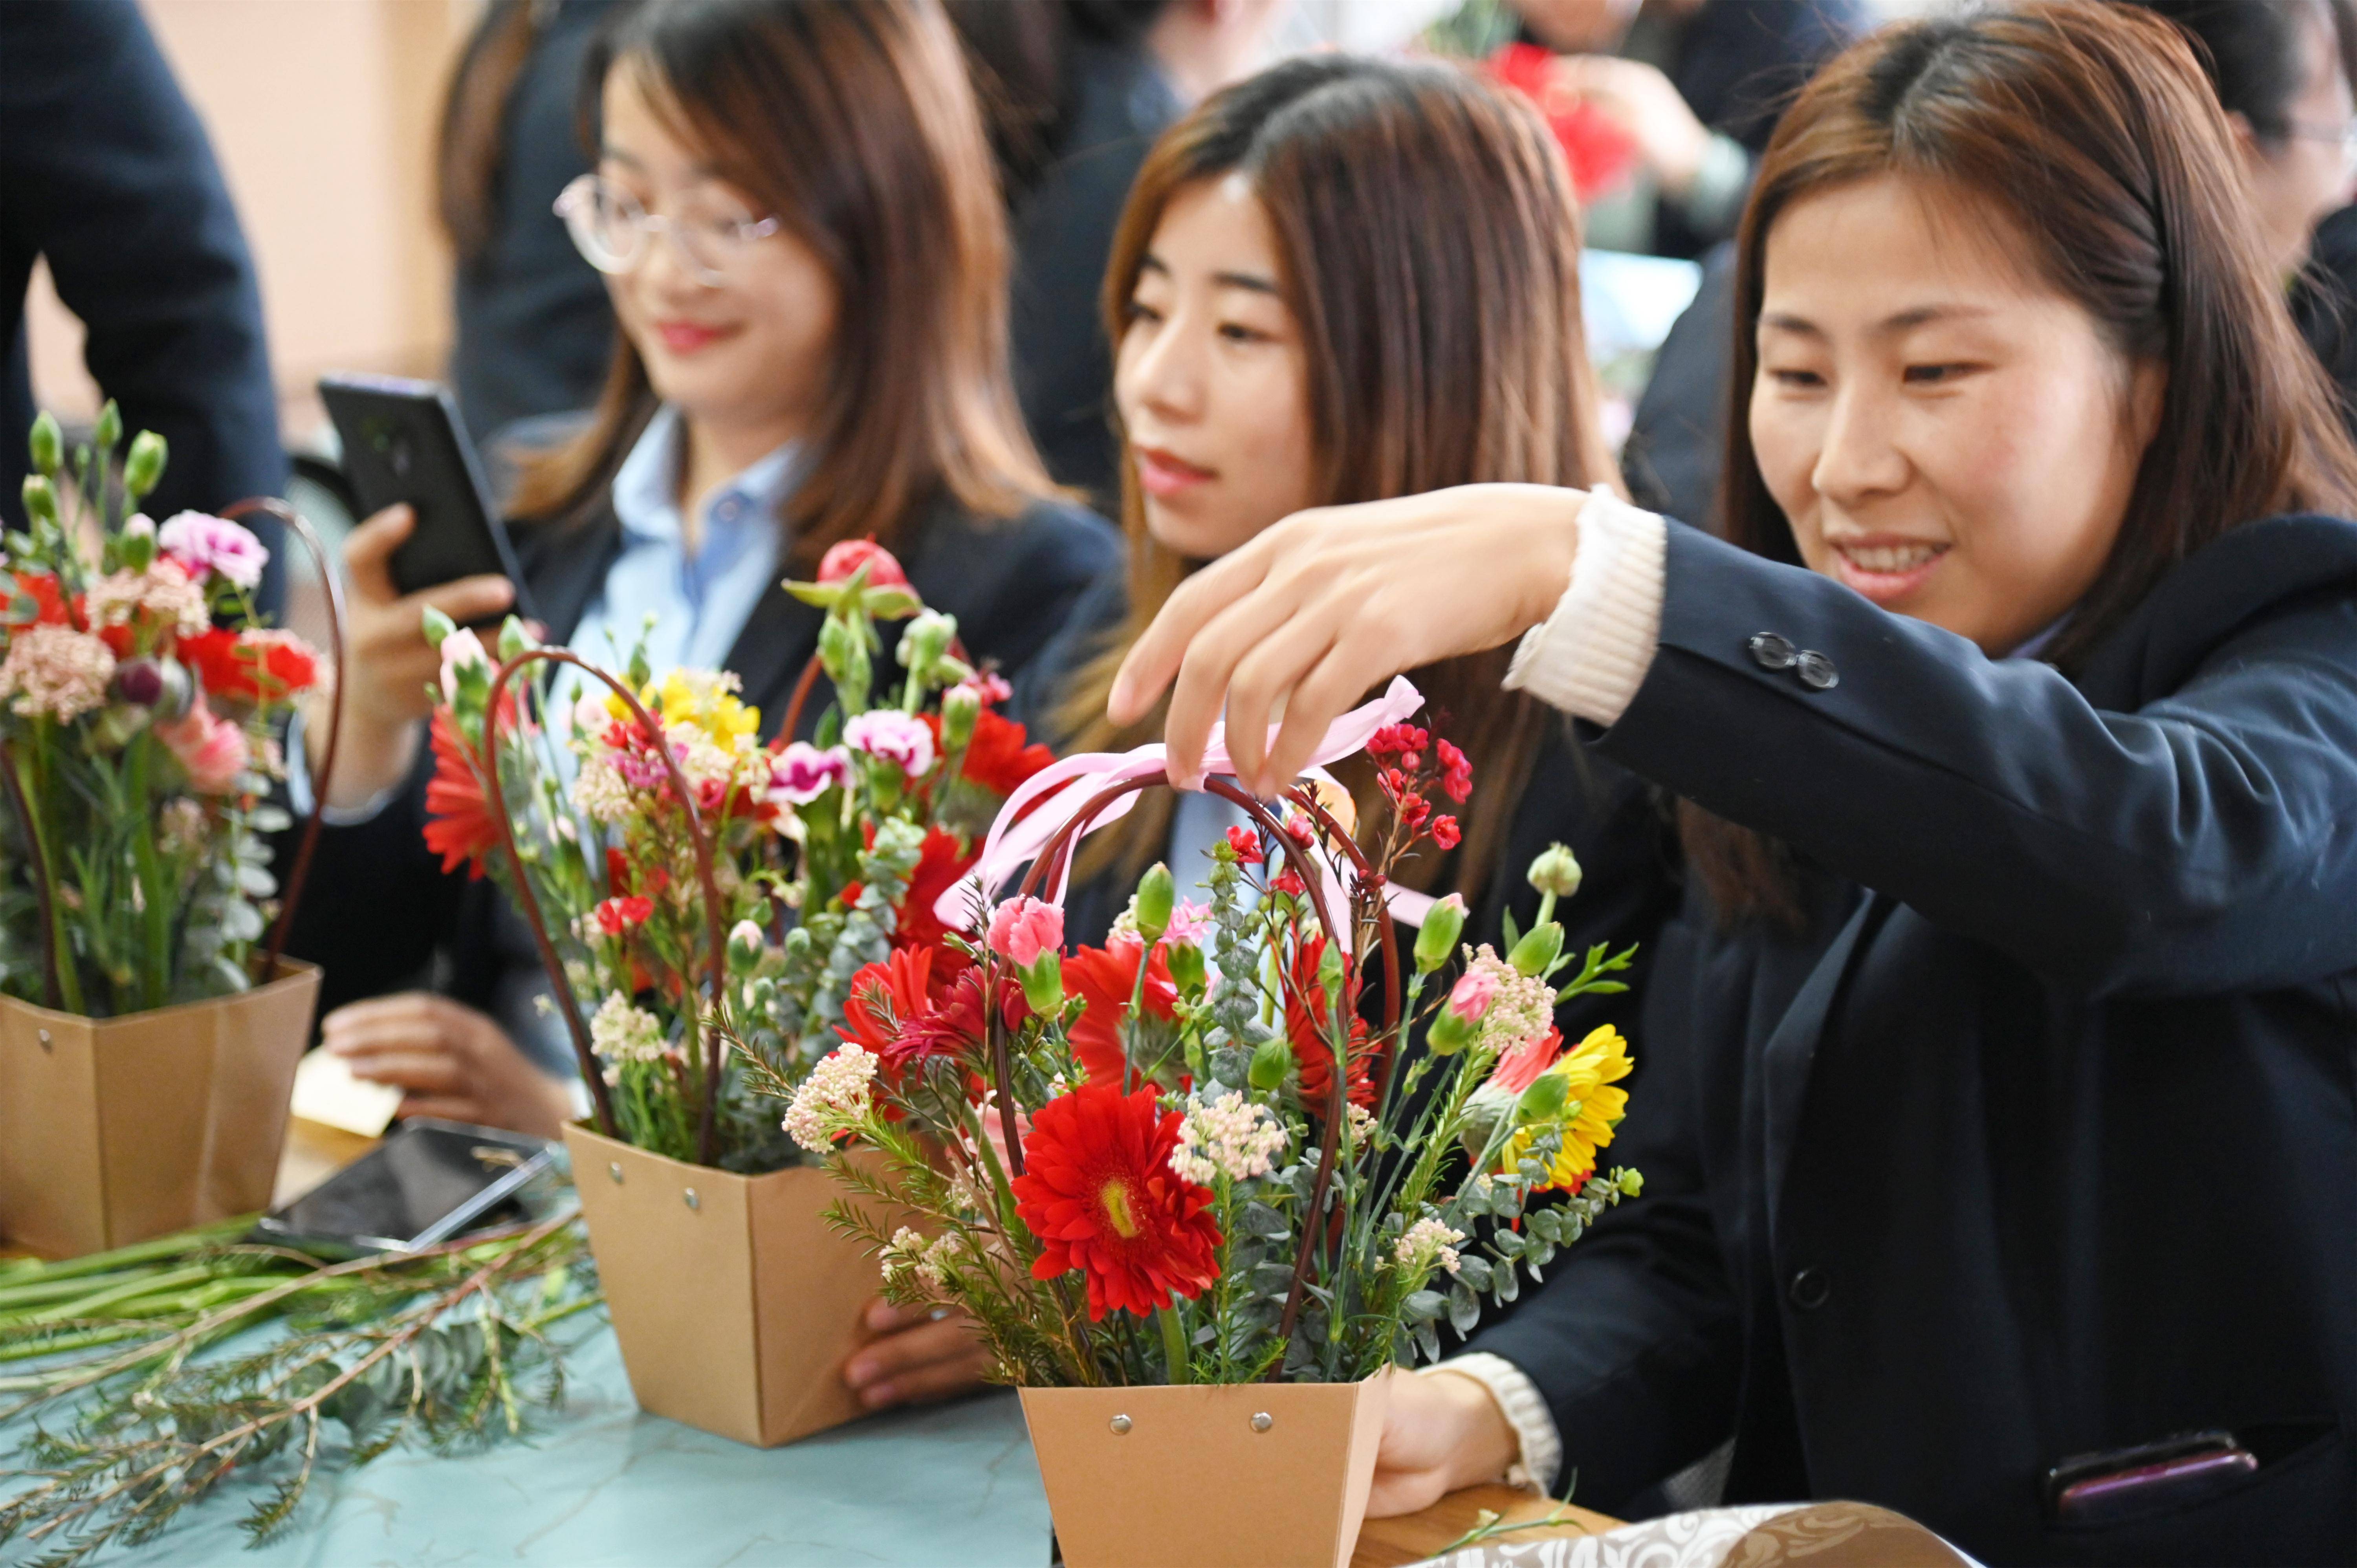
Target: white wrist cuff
1589 657
298 787
1525 1411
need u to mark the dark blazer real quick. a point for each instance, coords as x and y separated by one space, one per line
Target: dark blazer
382 916
2055 1148
1613 822
105 169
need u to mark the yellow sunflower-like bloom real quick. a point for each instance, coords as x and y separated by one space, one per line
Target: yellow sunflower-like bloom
1591 1107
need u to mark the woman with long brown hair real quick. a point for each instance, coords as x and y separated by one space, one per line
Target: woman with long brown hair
794 208
1343 280
2000 1116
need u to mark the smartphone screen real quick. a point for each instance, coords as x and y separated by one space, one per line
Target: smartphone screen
404 444
428 1181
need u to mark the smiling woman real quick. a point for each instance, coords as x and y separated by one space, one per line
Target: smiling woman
1999 1079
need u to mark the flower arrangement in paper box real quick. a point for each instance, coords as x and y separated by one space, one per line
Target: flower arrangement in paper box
140 691
1203 1153
704 899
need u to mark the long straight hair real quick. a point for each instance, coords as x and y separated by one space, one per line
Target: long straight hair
1427 248
853 121
2093 130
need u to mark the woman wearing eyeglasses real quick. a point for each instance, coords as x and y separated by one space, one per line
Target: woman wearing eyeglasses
794 208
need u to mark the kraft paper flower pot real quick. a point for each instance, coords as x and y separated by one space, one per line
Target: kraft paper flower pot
114 1130
734 1302
1273 1474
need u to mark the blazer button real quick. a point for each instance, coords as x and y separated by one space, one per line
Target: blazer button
1815 670
1771 651
1810 1289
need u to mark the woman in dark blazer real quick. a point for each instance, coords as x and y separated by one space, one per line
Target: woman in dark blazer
811 287
2000 1121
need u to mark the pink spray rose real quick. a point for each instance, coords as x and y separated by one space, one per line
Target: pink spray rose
1023 928
212 749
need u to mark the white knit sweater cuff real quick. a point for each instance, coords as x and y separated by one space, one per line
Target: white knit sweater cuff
1525 1411
1589 657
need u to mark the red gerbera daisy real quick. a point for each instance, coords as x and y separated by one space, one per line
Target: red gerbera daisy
1305 1027
1104 978
459 826
886 995
943 858
1099 1192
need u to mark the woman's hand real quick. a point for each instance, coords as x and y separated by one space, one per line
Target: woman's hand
1441 1431
1327 604
917 1357
1644 103
453 1061
388 664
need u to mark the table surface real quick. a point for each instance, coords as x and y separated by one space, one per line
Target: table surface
603 1483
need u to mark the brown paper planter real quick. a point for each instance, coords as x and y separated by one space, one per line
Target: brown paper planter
114 1130
1191 1478
734 1302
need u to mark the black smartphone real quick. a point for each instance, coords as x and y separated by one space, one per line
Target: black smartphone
427 1182
2122 1483
403 442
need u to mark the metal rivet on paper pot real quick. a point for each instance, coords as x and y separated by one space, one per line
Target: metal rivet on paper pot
1262 1420
693 1201
1121 1426
45 1040
615 1170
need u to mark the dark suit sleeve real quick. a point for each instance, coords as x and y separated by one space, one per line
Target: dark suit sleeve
109 175
2196 845
1013 585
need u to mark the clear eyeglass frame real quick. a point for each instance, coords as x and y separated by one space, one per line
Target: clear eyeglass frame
2345 132
613 230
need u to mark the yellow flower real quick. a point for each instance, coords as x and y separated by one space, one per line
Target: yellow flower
1591 1107
703 698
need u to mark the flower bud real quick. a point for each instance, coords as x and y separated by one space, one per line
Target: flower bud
137 543
1544 1101
1271 1060
927 637
1188 970
143 468
139 681
110 428
746 945
1539 948
1155 894
47 444
1556 872
1631 1183
514 638
437 626
1043 983
1451 1033
41 499
960 710
1436 944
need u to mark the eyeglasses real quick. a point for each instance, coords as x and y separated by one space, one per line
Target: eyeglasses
613 231
2344 132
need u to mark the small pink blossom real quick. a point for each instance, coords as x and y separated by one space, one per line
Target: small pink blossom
202 543
212 749
1472 994
461 650
803 772
894 737
56 670
1023 928
1189 923
989 688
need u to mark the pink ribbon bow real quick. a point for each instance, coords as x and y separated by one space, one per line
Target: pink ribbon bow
1013 844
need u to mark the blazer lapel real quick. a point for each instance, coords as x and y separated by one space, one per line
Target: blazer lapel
1791 1050
563 568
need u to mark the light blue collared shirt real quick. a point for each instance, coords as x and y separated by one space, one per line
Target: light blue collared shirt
699 603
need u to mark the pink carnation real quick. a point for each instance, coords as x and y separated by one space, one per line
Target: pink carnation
203 543
803 772
212 749
1189 923
895 737
1023 928
56 670
1472 994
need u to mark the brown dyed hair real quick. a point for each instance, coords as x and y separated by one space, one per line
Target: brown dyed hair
852 121
2094 130
1428 249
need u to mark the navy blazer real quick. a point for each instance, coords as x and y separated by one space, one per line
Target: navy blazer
109 175
381 915
2045 1142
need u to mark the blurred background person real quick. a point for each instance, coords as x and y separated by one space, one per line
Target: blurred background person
534 330
1074 91
795 216
108 175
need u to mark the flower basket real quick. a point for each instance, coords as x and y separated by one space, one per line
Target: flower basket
1129 1471
733 1300
114 1130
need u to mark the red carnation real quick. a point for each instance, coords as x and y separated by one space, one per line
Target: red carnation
842 560
996 758
250 666
1306 1015
1099 1193
459 826
48 599
1104 979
